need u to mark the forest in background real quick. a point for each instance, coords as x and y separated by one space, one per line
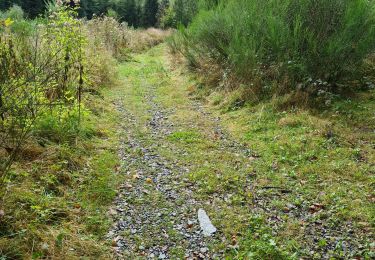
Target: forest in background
136 13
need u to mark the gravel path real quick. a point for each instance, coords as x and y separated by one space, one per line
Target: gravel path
155 214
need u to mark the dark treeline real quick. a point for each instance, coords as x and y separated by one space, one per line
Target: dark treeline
137 13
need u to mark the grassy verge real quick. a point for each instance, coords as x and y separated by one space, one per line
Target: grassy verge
60 189
325 160
306 186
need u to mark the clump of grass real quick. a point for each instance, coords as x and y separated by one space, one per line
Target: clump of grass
259 242
120 40
185 137
141 40
63 127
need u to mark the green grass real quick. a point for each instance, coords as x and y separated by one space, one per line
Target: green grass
59 193
63 190
324 157
188 137
319 157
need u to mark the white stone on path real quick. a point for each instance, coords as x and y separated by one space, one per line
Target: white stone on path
204 221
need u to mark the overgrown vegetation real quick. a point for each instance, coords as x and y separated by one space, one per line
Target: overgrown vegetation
58 141
42 70
294 82
314 48
279 181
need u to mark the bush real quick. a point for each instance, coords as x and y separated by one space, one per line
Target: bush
295 43
41 67
15 13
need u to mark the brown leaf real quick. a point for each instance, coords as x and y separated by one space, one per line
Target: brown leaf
316 207
234 240
127 186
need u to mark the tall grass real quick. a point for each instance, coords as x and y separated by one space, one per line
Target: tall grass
281 46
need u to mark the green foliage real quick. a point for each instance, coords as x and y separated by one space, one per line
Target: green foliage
150 11
15 13
33 7
185 137
136 13
164 7
184 11
128 12
63 126
68 188
309 44
41 67
259 243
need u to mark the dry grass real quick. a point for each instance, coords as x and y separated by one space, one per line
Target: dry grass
140 40
56 201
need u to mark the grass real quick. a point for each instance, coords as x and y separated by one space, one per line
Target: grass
324 157
290 170
188 137
61 189
299 167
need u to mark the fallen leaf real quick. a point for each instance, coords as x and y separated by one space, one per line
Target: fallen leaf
8 22
316 207
234 240
127 186
113 212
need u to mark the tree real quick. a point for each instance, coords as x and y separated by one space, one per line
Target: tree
150 11
185 11
32 8
127 11
179 9
162 11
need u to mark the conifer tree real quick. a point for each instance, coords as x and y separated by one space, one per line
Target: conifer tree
150 11
163 8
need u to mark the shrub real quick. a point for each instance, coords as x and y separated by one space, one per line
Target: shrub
15 13
41 67
308 44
